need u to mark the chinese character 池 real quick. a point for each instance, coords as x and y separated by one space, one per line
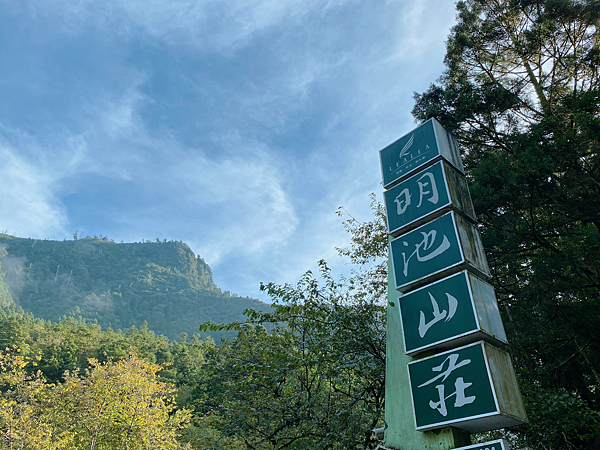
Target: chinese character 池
425 245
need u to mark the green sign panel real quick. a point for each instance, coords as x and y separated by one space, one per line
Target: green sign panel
408 153
456 310
417 197
421 146
499 444
437 313
429 249
451 387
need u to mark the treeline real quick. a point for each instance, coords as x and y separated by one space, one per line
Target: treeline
315 380
68 345
71 385
117 285
307 373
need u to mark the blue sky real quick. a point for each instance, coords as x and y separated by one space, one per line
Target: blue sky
238 127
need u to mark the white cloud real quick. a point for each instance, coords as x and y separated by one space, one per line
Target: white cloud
419 31
317 99
35 168
118 117
28 206
248 210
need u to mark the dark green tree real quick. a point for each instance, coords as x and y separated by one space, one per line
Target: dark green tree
521 93
316 379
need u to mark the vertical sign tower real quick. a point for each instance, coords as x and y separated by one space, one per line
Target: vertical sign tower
445 371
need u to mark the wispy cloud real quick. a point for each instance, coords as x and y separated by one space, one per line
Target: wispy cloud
250 212
29 206
236 126
207 25
421 28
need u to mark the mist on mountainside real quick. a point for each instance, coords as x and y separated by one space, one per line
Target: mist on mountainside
117 285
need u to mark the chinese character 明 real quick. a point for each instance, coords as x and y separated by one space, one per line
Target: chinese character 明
403 199
422 192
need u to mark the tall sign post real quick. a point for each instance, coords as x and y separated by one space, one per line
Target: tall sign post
445 374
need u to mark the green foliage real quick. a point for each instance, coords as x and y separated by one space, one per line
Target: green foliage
317 379
570 418
116 285
521 92
369 240
69 345
118 405
59 352
206 437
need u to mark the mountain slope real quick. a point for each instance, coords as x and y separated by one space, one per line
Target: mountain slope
118 285
5 297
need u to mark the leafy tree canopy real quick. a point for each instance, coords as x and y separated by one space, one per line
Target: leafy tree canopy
317 379
521 92
116 405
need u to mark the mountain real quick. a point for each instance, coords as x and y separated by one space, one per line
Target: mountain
117 285
5 297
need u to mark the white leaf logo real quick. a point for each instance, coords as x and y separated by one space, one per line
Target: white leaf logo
407 146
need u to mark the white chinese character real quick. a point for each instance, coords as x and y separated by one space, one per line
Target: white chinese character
460 400
422 192
459 385
425 244
402 204
452 366
437 314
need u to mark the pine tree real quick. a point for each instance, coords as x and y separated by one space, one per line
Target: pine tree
521 92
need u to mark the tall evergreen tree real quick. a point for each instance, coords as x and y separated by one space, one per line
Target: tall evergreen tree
521 92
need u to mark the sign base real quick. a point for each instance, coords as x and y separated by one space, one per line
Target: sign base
400 432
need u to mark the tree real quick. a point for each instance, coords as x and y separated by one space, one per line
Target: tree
116 405
317 378
521 92
23 420
6 299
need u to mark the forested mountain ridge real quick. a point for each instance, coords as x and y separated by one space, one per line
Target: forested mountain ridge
117 285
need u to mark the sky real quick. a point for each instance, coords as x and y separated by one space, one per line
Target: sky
238 127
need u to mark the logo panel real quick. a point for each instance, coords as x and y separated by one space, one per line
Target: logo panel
408 153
